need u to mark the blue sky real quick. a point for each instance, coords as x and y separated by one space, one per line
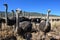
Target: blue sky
39 6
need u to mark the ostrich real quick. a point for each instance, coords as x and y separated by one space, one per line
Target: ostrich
1 19
45 26
24 27
13 20
9 22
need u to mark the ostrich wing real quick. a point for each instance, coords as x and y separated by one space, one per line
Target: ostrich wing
26 25
45 27
42 25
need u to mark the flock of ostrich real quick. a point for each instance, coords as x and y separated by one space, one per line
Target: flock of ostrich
23 25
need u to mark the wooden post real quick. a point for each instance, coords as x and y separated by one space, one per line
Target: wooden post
24 13
41 15
29 16
0 15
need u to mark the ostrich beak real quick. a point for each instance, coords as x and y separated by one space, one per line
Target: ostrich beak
5 4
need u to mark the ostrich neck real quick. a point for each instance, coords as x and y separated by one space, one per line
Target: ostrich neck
6 14
17 20
47 18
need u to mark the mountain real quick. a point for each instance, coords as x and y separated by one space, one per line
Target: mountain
37 14
27 13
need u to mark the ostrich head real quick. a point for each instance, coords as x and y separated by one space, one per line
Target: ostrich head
49 10
18 10
12 11
6 5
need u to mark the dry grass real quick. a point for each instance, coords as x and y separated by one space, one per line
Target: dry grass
55 23
35 36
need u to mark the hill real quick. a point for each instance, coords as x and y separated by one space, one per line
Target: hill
27 13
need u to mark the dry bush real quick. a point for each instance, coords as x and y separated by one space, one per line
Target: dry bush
55 23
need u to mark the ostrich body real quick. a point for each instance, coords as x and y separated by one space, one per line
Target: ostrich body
24 27
45 27
36 20
11 22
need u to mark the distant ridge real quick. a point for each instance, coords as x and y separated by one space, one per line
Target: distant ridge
38 14
28 13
